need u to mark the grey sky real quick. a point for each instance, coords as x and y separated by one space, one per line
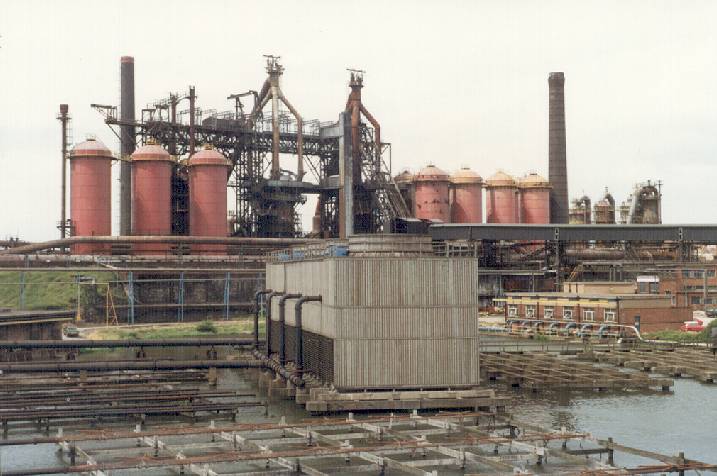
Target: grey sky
452 82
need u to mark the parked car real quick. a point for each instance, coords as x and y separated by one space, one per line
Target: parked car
71 330
692 326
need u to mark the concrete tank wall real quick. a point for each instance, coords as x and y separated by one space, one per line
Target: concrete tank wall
90 194
208 197
432 195
151 196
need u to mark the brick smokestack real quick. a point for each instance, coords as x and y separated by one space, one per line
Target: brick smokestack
557 167
127 143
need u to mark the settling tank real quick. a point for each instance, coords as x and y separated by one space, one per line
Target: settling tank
208 173
466 197
432 201
502 199
534 199
90 194
151 195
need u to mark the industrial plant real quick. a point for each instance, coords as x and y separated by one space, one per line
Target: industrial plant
409 317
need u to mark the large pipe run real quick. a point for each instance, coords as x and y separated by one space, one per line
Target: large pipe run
269 297
246 241
258 295
299 358
104 366
119 343
277 368
127 142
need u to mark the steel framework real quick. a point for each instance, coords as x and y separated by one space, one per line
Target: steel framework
266 195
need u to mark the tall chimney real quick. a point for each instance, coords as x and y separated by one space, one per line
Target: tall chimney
557 167
127 142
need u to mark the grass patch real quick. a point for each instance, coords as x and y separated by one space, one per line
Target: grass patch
49 290
241 326
207 326
684 337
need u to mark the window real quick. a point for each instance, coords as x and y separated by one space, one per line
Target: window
609 316
548 312
588 315
685 273
696 300
530 311
710 273
568 314
512 311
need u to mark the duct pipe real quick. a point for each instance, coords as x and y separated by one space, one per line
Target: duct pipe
268 320
282 324
275 164
257 295
356 145
377 136
261 101
299 359
299 137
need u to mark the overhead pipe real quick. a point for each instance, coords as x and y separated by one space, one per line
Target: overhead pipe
282 325
269 297
65 242
257 295
299 359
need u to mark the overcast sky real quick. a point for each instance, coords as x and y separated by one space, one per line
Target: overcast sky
451 82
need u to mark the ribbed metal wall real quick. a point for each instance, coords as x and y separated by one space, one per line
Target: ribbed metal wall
405 282
396 363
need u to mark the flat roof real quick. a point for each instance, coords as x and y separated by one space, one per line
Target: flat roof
559 295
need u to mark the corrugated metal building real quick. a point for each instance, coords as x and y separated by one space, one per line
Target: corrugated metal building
384 321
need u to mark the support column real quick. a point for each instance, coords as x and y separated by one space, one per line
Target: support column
346 186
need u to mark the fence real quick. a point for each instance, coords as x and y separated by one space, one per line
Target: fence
131 297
